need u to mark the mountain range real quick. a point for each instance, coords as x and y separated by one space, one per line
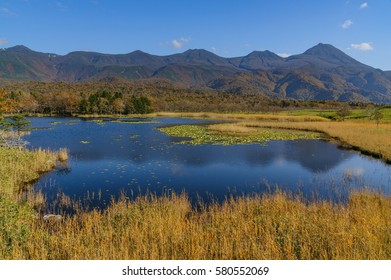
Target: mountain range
323 72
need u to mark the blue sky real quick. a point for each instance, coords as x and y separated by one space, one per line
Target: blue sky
229 28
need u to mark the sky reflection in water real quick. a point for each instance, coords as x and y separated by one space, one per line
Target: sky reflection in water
136 158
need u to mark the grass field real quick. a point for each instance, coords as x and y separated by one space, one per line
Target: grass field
356 114
271 226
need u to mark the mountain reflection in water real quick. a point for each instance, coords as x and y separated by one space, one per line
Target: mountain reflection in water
114 157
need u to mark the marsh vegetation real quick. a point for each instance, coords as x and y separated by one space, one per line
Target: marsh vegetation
274 226
228 134
270 225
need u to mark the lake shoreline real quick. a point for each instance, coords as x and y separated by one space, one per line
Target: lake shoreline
277 225
142 158
382 154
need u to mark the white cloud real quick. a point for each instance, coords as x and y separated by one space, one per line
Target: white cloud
3 41
61 6
178 43
284 55
362 46
364 5
6 11
347 23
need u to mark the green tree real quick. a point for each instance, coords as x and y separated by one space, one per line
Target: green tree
377 116
84 106
140 105
17 124
344 111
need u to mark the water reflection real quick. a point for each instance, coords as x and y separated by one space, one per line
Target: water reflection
108 157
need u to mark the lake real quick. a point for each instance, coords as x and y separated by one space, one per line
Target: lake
108 158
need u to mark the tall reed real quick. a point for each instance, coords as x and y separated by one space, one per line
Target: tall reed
274 226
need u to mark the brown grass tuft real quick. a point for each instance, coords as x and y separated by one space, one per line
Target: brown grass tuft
63 154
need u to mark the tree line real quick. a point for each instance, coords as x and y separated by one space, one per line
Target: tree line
68 103
138 98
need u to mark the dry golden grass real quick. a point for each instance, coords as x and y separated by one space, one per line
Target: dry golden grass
366 136
269 227
224 116
363 135
233 128
62 154
19 167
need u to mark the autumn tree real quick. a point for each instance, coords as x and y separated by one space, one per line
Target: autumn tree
118 105
7 105
27 103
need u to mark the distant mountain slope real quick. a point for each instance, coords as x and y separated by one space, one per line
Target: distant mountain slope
324 56
21 63
256 60
322 72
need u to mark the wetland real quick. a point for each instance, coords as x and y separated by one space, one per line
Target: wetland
135 156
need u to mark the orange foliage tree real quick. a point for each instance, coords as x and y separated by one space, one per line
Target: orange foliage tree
7 105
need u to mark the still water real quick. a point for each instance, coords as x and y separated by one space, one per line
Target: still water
108 158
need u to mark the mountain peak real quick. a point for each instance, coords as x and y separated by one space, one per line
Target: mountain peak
264 54
323 49
138 52
200 56
328 55
261 60
19 48
198 52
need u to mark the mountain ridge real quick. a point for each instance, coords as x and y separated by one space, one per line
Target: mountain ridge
321 72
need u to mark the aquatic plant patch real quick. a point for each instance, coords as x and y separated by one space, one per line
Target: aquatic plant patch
203 135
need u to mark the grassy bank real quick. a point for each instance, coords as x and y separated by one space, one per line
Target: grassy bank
363 134
269 227
19 167
355 114
17 214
